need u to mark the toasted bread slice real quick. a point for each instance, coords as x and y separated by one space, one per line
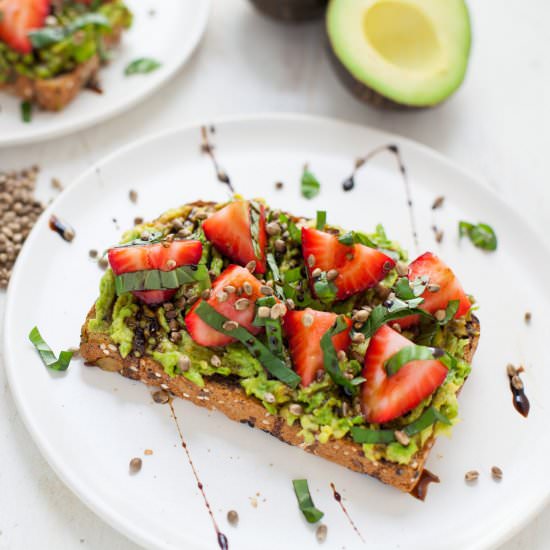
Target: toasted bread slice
230 398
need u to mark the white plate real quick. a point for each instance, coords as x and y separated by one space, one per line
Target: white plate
176 25
89 423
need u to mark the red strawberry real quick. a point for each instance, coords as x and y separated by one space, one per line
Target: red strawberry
229 231
359 266
438 273
304 340
234 276
164 256
384 397
18 18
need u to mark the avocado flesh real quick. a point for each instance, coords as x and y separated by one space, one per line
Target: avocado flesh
411 52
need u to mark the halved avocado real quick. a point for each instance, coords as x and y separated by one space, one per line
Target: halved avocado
294 11
400 53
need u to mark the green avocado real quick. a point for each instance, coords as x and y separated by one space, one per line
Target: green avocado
400 52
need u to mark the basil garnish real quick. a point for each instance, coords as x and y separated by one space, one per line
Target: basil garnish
274 267
370 436
305 502
417 353
47 355
324 289
381 315
154 238
356 237
321 220
273 327
405 290
47 36
330 358
275 366
26 111
309 184
255 215
155 279
294 232
143 65
481 235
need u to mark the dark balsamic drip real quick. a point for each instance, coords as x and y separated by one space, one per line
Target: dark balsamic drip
349 183
94 86
65 231
420 490
338 499
519 399
208 149
222 539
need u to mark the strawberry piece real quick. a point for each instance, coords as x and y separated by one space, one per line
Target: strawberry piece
164 256
18 18
384 397
229 230
440 274
305 341
234 276
359 267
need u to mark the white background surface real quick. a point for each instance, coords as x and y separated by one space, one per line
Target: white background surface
496 125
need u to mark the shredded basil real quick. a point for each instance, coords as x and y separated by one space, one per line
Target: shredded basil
274 267
324 289
305 502
417 353
47 355
356 237
309 185
155 279
255 216
154 238
273 327
275 366
371 436
407 290
321 220
26 111
481 235
143 65
294 232
381 315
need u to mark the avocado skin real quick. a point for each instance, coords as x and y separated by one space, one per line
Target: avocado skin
292 11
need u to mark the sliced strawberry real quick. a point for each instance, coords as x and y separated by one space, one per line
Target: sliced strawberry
18 18
164 256
359 267
384 397
430 266
229 230
224 302
304 340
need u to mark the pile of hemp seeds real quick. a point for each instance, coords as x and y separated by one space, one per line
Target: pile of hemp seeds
19 211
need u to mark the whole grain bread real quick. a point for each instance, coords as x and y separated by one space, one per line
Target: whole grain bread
228 397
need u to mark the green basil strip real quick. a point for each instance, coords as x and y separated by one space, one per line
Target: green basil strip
26 111
450 311
294 231
305 502
255 216
324 289
380 315
154 238
406 290
155 279
417 353
482 235
47 355
274 267
330 357
143 65
47 36
309 185
275 366
370 436
321 220
273 328
356 237
293 275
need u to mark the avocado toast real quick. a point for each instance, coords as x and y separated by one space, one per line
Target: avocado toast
327 339
51 49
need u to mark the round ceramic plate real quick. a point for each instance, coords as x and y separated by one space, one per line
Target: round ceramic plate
177 26
90 423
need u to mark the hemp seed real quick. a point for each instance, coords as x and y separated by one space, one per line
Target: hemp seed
440 314
307 320
471 476
496 472
162 397
232 517
321 533
135 465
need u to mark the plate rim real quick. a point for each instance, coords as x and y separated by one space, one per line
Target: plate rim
202 17
104 510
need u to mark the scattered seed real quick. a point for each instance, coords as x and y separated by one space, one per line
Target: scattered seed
251 266
361 316
433 287
279 185
320 374
222 296
438 203
230 289
138 220
471 476
386 267
402 269
247 288
103 263
171 264
205 294
278 310
280 245
311 260
273 228
528 316
332 274
215 361
402 437
290 303
232 517
295 409
56 184
316 273
342 356
269 397
307 319
184 363
511 370
264 312
358 338
145 235
438 233
440 314
397 327
230 325
161 397
148 452
496 472
321 533
266 290
242 304
135 465
133 195
93 253
517 382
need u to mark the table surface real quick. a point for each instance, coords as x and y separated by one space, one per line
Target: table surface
497 126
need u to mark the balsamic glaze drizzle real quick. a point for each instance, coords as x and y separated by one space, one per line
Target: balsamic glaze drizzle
420 490
208 149
349 183
519 399
338 499
65 231
223 543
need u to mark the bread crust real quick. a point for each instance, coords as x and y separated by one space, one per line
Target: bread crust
230 398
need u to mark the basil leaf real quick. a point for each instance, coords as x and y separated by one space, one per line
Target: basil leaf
309 185
450 311
47 355
381 315
321 220
47 36
371 436
324 289
330 357
305 502
275 366
481 235
274 267
154 238
255 215
26 111
273 328
356 237
293 275
294 232
417 353
155 279
405 290
143 65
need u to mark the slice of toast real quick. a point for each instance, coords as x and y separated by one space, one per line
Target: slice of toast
228 397
54 94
